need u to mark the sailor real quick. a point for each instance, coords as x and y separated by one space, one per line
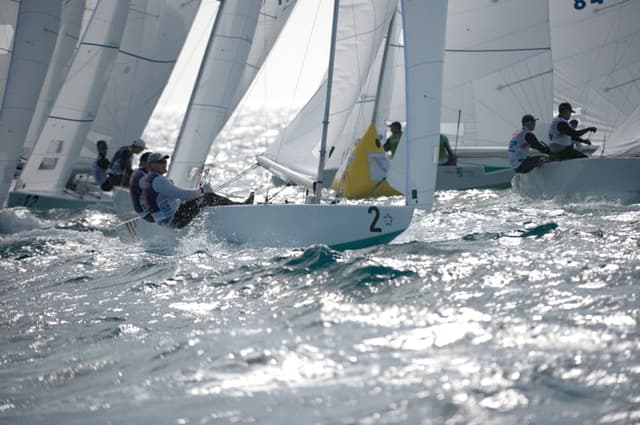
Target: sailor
120 169
101 163
392 141
134 185
562 135
171 205
519 146
446 156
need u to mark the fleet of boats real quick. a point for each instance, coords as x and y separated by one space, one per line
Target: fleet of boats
74 72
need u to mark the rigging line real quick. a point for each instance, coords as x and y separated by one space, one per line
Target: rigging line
374 188
269 198
236 177
513 83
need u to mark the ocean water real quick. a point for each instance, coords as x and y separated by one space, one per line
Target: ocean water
491 309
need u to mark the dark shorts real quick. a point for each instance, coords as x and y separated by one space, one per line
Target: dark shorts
530 163
190 209
568 153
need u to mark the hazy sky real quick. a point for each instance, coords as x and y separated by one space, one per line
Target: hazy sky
293 70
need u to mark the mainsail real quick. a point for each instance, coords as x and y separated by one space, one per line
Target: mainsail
153 37
242 37
596 58
49 166
68 36
36 32
361 29
8 19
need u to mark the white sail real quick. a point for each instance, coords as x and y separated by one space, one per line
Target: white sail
596 57
154 35
361 29
375 105
70 23
241 38
361 114
48 167
423 79
497 68
8 19
35 37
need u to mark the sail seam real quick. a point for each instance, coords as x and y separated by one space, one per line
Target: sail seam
69 119
528 49
107 46
147 59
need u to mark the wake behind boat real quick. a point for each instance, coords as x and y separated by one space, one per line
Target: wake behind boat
616 179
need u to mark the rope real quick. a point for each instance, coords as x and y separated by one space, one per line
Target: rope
268 198
235 178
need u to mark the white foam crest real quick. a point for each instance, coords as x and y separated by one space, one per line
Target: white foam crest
15 220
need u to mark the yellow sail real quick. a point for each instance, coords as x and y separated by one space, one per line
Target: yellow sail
366 170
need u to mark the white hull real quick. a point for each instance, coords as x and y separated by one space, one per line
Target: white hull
608 178
59 199
479 176
293 226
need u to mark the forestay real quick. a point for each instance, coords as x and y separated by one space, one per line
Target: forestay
596 57
59 144
36 32
242 37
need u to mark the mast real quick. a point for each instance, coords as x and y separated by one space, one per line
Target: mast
383 64
327 105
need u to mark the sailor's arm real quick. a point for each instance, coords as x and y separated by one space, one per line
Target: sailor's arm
576 135
536 144
163 185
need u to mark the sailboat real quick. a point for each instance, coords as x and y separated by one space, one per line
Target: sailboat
343 226
241 38
43 181
36 30
596 58
122 76
493 74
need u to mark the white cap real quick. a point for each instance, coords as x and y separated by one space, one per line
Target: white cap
139 143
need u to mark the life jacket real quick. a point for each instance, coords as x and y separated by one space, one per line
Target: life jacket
117 166
161 207
555 137
134 190
102 162
518 147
